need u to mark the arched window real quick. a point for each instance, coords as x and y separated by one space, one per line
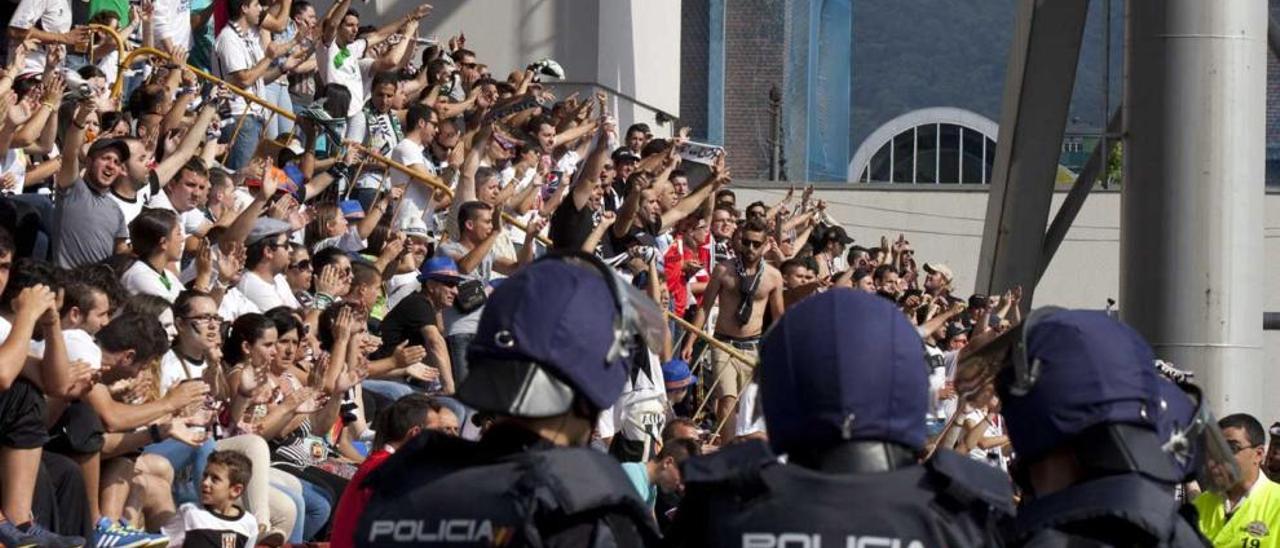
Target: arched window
928 146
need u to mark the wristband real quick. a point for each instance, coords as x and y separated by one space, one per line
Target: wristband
155 433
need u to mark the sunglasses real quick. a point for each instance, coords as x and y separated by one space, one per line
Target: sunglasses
304 264
752 243
1236 447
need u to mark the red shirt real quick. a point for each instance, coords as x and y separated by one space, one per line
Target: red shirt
354 498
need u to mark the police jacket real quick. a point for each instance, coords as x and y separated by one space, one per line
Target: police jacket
742 496
513 488
1121 510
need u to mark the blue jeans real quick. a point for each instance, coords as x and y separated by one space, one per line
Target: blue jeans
277 93
391 390
297 535
245 143
188 466
318 509
458 356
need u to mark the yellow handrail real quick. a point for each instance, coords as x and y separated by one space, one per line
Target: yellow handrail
152 52
120 47
392 164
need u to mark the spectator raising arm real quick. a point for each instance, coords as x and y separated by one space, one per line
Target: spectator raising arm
74 138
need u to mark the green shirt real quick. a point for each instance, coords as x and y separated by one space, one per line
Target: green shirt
119 7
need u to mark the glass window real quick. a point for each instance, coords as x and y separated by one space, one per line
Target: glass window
879 167
949 154
972 154
903 157
927 153
990 159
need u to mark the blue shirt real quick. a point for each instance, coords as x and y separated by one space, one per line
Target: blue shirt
638 473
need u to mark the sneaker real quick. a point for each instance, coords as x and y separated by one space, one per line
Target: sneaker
119 535
273 538
157 539
49 539
10 536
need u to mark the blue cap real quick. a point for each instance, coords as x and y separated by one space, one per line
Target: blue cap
843 365
557 315
440 268
676 374
351 209
1092 370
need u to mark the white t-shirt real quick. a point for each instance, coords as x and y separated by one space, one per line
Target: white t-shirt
15 162
417 196
80 346
51 15
237 52
266 295
142 279
131 208
234 304
993 456
172 21
339 67
641 410
174 370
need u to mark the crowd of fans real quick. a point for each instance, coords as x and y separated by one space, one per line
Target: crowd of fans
216 320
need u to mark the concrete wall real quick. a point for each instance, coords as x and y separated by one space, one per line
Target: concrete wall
946 226
630 46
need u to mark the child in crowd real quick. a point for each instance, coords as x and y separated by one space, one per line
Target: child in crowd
217 522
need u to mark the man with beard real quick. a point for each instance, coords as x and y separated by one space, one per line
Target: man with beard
88 226
417 321
745 286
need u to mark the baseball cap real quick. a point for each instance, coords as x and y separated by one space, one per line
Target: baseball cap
265 227
440 268
351 209
118 145
838 234
1092 370
544 337
939 268
677 375
978 300
843 365
624 154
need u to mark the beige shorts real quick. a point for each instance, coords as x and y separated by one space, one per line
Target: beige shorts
731 375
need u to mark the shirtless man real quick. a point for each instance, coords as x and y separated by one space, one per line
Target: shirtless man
738 324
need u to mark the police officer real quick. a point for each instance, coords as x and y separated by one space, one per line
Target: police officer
1091 422
549 354
844 390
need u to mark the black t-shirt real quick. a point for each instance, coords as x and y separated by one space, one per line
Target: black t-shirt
571 226
405 323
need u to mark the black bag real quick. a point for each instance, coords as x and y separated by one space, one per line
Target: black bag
471 296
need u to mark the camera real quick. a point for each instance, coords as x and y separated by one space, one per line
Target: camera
547 67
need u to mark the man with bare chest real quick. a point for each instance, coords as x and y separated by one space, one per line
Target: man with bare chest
745 287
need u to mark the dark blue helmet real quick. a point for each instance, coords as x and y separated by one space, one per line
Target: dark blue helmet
843 365
559 328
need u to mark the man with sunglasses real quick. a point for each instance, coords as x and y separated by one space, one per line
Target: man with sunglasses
266 258
746 287
1248 513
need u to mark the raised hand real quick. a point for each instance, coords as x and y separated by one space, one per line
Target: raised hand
231 262
422 372
330 281
180 429
186 394
32 302
54 86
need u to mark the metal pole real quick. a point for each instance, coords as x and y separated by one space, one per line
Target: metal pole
1191 246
